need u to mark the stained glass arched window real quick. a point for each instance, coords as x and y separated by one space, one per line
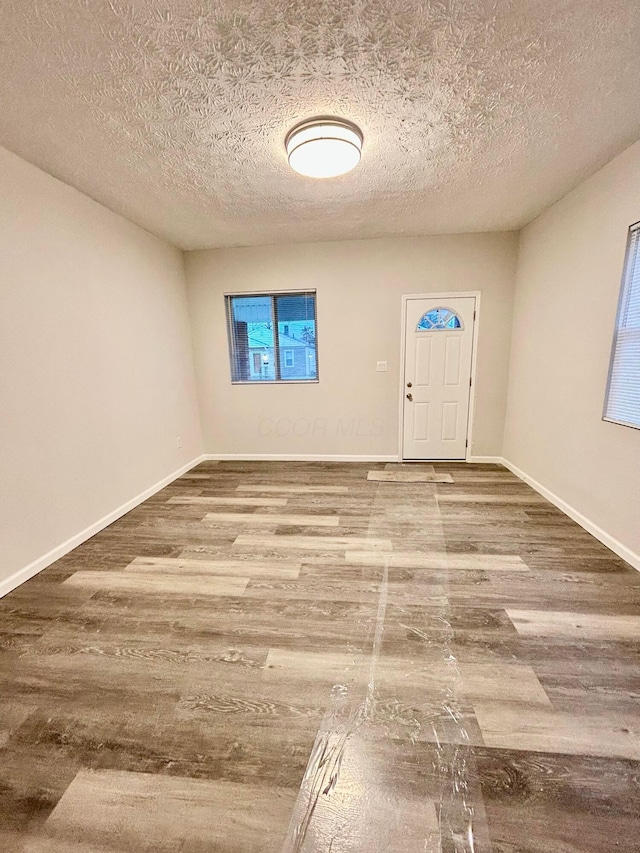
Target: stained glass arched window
439 318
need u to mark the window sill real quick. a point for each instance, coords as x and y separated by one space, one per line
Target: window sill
275 382
621 423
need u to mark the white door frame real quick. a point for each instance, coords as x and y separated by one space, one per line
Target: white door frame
451 294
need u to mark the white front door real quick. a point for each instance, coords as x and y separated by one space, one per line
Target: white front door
438 348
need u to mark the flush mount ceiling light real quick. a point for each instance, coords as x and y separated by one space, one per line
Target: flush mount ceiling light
324 147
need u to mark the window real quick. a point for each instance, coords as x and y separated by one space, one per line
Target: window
622 403
439 318
272 337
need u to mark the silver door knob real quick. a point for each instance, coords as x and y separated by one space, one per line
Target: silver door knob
409 396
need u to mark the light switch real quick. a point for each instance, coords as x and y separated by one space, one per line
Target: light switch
381 366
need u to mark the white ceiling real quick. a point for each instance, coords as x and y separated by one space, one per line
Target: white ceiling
476 114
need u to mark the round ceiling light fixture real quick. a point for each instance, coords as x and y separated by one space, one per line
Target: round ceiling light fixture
324 147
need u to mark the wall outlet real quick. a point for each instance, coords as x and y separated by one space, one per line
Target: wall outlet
381 366
178 442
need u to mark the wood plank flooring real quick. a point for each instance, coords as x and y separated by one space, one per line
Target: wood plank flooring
325 658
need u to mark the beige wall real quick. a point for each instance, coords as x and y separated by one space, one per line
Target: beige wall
96 361
97 373
354 409
568 280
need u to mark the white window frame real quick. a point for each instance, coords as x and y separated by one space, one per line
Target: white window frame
271 294
623 370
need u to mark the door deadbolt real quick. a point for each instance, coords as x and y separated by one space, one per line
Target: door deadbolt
409 384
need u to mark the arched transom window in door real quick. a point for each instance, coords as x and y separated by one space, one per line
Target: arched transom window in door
437 319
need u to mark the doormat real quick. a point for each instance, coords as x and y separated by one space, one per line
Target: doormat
408 477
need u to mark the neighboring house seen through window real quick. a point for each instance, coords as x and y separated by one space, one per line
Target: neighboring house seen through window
272 337
622 403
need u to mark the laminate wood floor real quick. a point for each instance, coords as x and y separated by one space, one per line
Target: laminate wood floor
325 658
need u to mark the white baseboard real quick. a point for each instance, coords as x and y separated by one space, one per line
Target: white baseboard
295 457
59 551
324 457
591 527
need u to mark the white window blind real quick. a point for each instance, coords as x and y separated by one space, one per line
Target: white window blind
622 403
273 336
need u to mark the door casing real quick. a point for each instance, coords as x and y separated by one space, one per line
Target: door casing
452 294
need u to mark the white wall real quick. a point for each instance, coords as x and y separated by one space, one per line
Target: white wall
95 359
568 281
353 410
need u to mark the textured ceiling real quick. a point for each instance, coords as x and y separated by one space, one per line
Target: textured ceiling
476 114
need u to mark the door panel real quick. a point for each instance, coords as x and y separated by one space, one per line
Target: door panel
423 362
452 361
450 421
438 368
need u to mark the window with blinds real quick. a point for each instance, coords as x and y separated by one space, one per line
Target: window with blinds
622 403
273 337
